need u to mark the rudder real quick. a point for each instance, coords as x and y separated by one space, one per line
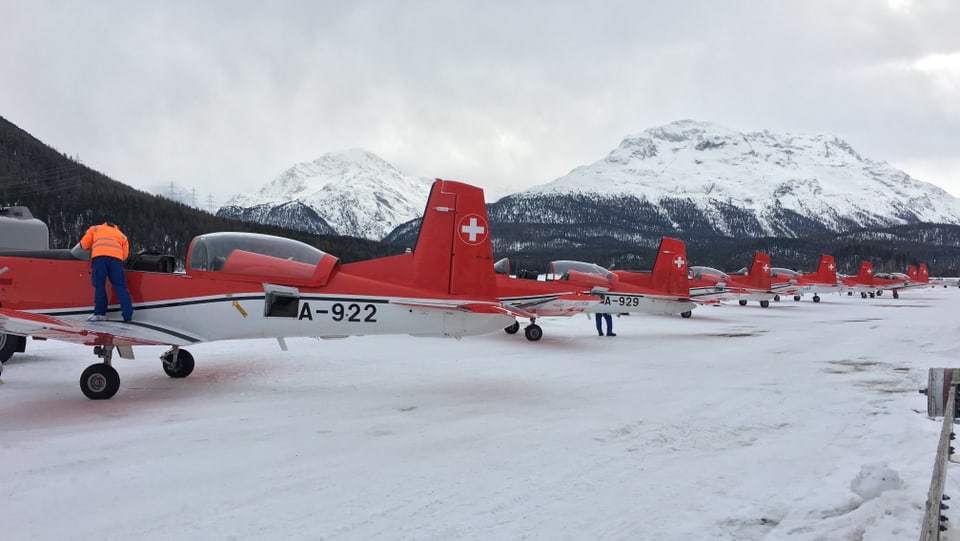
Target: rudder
670 268
453 252
827 271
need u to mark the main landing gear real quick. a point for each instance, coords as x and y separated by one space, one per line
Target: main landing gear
816 298
101 381
533 332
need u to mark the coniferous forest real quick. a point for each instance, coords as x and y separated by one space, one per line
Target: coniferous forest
69 197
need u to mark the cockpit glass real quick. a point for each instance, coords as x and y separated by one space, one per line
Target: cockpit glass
777 272
209 252
562 268
698 273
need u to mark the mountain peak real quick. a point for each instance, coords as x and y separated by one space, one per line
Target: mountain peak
355 191
821 177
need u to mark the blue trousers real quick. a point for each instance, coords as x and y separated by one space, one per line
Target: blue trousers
600 318
103 268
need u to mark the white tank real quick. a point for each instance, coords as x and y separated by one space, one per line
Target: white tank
19 230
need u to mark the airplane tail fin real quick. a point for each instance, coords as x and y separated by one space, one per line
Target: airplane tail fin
670 268
866 272
827 271
923 274
912 274
453 252
760 271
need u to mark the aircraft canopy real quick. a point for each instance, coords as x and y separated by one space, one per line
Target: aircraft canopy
698 273
259 255
779 272
561 269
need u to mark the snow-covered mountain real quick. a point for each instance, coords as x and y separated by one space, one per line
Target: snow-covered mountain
752 184
352 193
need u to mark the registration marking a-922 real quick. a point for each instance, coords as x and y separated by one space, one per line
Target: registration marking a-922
346 311
621 300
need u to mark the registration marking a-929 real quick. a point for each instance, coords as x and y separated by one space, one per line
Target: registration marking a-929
350 312
621 300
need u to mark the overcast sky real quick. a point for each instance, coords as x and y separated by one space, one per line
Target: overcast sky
225 96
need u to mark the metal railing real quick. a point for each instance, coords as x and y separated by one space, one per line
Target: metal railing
941 380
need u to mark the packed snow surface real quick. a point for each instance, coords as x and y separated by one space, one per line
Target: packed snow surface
799 421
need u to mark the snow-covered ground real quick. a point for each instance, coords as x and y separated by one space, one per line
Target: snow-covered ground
800 421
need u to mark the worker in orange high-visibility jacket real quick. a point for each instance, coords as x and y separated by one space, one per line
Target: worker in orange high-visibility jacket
108 249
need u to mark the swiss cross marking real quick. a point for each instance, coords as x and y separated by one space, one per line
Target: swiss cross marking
473 229
678 262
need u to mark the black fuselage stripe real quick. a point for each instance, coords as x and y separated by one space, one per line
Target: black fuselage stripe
178 304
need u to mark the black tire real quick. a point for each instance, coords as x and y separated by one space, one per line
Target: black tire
849 293
687 314
743 302
816 298
10 344
533 332
872 295
764 304
863 294
776 298
797 298
100 381
896 295
180 368
512 329
879 292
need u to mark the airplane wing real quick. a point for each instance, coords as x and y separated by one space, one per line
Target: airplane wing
565 304
91 333
474 307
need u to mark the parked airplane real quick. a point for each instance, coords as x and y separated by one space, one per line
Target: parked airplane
937 280
744 285
242 285
822 281
524 292
664 290
870 285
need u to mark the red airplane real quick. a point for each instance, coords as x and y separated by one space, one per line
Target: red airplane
526 294
822 281
710 285
870 285
242 285
664 290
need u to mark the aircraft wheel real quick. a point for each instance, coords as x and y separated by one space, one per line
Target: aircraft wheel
100 381
743 302
180 368
533 332
863 294
896 295
687 314
797 298
776 298
872 295
512 329
764 304
816 298
8 346
849 293
879 292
